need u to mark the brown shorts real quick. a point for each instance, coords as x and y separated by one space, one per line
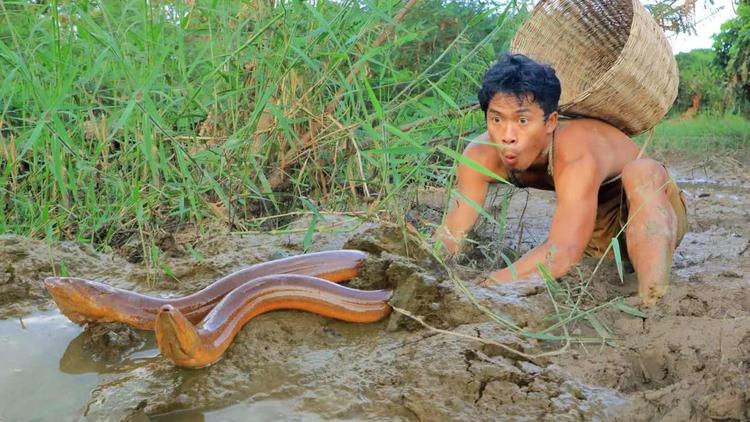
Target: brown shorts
612 214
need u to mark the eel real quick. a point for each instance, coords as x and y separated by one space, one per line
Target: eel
198 346
84 301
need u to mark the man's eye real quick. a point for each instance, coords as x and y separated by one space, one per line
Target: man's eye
496 119
523 120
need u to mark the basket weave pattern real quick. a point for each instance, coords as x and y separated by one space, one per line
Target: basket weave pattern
613 61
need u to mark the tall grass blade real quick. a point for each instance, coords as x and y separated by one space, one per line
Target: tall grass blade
618 258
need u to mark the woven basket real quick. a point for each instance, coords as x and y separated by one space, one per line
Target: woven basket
613 61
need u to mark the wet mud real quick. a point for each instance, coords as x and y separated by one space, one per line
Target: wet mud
687 360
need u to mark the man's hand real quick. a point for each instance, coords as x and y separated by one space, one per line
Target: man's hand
506 276
571 228
472 185
501 276
651 294
488 282
451 243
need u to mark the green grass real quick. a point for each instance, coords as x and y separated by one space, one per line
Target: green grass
122 119
703 134
127 118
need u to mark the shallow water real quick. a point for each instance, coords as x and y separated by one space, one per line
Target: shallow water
45 363
34 345
257 411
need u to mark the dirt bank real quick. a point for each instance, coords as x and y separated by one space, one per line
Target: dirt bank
686 361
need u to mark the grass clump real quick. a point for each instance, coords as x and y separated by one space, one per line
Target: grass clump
125 119
700 135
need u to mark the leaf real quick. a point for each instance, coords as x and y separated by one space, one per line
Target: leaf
398 132
371 132
443 95
603 332
553 287
470 163
409 37
312 227
31 142
480 17
63 269
618 258
540 336
154 252
265 184
124 116
477 207
502 218
57 166
194 253
167 270
547 275
374 100
412 150
630 310
510 265
307 242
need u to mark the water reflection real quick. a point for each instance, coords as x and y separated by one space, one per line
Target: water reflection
180 416
256 411
77 359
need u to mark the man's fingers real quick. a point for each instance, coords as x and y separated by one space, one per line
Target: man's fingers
635 301
488 282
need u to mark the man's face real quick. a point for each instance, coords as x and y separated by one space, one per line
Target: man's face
518 129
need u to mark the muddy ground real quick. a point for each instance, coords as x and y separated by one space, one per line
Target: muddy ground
686 361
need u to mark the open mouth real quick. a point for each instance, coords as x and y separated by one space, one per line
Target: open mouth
510 157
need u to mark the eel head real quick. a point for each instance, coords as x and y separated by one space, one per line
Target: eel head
177 338
82 300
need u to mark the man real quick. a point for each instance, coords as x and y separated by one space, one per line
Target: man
600 180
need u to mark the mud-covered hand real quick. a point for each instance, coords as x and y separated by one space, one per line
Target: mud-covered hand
506 275
451 243
496 277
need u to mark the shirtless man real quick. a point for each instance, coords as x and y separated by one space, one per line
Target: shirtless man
596 171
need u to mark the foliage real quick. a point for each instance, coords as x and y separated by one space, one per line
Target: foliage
732 47
439 23
699 76
197 113
676 17
705 134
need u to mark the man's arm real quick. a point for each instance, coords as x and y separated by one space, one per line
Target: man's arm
571 228
473 185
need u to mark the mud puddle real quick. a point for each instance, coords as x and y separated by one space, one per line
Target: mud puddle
262 411
32 347
687 361
51 368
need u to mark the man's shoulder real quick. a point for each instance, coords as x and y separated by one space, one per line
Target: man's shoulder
480 149
482 152
588 128
584 135
578 148
589 147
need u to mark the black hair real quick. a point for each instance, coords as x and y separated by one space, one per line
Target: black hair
518 75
